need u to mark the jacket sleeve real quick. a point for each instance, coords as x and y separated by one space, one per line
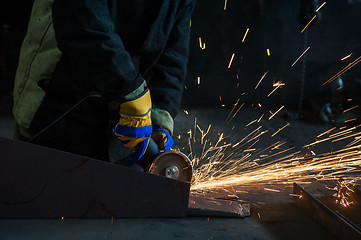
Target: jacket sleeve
85 33
169 73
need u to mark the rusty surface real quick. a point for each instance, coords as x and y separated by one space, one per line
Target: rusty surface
38 182
334 222
213 207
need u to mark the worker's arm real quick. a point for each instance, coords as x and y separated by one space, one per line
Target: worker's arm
169 73
85 34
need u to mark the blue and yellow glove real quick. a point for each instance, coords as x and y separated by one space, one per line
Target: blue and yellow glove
162 138
135 125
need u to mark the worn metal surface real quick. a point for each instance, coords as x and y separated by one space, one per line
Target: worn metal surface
38 182
350 208
339 226
212 207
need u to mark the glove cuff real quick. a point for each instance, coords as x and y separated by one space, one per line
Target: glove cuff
138 106
163 119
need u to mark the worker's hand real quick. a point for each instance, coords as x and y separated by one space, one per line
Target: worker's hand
135 125
162 138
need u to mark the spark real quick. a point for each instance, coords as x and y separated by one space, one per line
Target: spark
268 52
344 189
350 120
264 75
185 111
351 108
344 58
251 123
295 195
318 9
300 56
327 132
260 118
308 23
225 5
230 62
194 131
271 190
198 80
349 100
249 150
348 67
276 112
245 35
202 45
279 130
276 85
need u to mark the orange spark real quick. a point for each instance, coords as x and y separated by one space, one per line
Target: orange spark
348 67
271 190
244 37
268 52
350 120
308 23
318 9
264 75
260 118
279 130
327 132
300 56
276 112
198 80
230 62
351 108
344 58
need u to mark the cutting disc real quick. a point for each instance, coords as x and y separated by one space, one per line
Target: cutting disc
172 164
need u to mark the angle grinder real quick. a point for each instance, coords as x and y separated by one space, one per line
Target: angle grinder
170 164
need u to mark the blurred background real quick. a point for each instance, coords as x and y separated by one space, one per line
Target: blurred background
236 42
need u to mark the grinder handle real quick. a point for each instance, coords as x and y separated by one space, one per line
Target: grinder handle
149 155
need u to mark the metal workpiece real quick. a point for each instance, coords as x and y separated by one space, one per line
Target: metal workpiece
200 206
39 182
334 222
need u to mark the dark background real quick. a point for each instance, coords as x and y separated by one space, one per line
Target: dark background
273 24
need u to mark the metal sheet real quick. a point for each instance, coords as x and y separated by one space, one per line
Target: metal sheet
340 227
211 207
38 182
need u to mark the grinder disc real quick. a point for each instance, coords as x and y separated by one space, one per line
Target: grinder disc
172 164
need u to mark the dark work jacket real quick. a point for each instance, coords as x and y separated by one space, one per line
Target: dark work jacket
111 47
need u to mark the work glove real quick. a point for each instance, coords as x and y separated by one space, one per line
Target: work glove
135 125
162 138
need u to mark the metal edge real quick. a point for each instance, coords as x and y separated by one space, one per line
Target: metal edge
338 226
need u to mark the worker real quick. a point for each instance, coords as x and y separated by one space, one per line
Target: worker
92 68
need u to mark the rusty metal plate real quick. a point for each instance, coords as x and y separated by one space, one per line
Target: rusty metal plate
39 182
212 207
335 223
